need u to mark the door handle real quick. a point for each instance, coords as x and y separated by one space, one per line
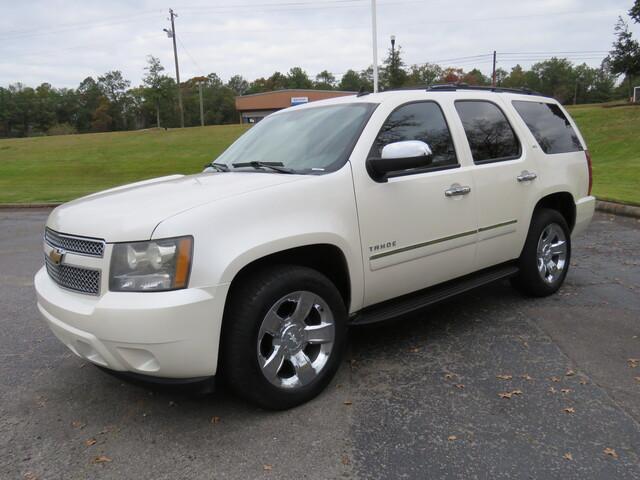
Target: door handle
526 176
456 189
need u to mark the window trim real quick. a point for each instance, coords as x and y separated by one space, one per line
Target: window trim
417 171
568 119
515 134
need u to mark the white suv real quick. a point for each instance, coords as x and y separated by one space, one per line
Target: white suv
336 213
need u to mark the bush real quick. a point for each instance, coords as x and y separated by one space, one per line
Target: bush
62 129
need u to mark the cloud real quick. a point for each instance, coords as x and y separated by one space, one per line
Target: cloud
62 42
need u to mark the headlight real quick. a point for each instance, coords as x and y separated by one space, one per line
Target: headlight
152 266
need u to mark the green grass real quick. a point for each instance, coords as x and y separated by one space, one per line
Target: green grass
60 168
613 137
53 169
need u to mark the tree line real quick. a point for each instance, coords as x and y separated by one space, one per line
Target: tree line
110 103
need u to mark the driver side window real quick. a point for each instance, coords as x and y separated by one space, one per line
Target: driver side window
418 121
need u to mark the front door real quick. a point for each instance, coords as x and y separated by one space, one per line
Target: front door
419 228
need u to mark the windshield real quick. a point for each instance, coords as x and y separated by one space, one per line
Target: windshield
310 140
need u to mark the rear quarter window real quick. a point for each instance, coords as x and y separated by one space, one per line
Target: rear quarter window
549 125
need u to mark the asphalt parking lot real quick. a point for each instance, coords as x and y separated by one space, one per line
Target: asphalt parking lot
417 398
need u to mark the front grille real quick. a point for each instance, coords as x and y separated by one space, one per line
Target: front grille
93 247
78 279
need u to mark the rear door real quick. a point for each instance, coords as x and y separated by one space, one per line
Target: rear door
504 175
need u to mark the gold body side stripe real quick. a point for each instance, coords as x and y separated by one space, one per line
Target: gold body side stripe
440 240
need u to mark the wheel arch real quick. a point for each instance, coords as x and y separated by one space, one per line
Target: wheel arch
563 202
326 258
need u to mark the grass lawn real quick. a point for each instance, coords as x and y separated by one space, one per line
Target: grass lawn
613 138
60 168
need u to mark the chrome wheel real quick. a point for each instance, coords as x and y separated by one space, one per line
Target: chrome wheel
551 253
295 339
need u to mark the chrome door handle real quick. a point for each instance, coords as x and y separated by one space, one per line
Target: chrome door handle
455 190
526 176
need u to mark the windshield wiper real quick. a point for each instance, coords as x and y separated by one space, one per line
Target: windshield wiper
276 166
220 167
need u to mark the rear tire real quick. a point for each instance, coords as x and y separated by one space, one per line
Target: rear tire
545 258
283 337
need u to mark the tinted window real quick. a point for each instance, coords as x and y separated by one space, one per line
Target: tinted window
490 135
549 126
418 121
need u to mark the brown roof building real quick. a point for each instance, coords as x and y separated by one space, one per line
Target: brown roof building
255 107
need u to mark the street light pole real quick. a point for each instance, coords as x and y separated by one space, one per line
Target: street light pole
172 34
393 60
374 34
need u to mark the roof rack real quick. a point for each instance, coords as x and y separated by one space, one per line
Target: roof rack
452 87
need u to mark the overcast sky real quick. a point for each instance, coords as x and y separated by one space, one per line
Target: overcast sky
64 41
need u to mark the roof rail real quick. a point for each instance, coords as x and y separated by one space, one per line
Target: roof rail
451 87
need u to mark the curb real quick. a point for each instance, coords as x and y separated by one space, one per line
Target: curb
16 206
618 209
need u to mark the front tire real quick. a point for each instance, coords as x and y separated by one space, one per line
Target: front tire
283 337
545 258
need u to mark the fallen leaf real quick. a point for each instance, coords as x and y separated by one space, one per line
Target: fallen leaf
451 438
570 373
570 410
552 390
345 459
90 441
101 459
583 382
611 452
633 362
504 377
460 386
268 467
637 379
30 476
414 349
505 394
448 376
555 379
348 402
215 420
526 377
78 424
567 456
565 390
517 392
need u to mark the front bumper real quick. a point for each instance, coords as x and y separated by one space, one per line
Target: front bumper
584 213
164 334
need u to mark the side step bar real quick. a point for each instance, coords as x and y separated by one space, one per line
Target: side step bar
429 296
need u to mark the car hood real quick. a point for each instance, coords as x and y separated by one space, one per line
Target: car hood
132 212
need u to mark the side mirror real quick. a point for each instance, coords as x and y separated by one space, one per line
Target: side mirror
399 156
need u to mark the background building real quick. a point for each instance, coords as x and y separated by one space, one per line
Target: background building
255 107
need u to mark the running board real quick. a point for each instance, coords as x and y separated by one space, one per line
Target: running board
429 296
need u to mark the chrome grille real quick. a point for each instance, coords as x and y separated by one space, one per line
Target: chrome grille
93 247
78 279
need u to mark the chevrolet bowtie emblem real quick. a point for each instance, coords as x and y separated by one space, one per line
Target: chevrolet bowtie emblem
56 255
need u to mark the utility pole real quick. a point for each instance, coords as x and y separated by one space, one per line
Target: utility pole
201 107
374 34
172 34
393 60
493 76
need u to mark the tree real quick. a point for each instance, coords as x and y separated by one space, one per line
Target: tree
277 81
475 77
423 75
101 120
555 77
624 58
114 86
298 78
238 84
325 80
393 73
451 75
153 81
89 95
350 81
634 13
